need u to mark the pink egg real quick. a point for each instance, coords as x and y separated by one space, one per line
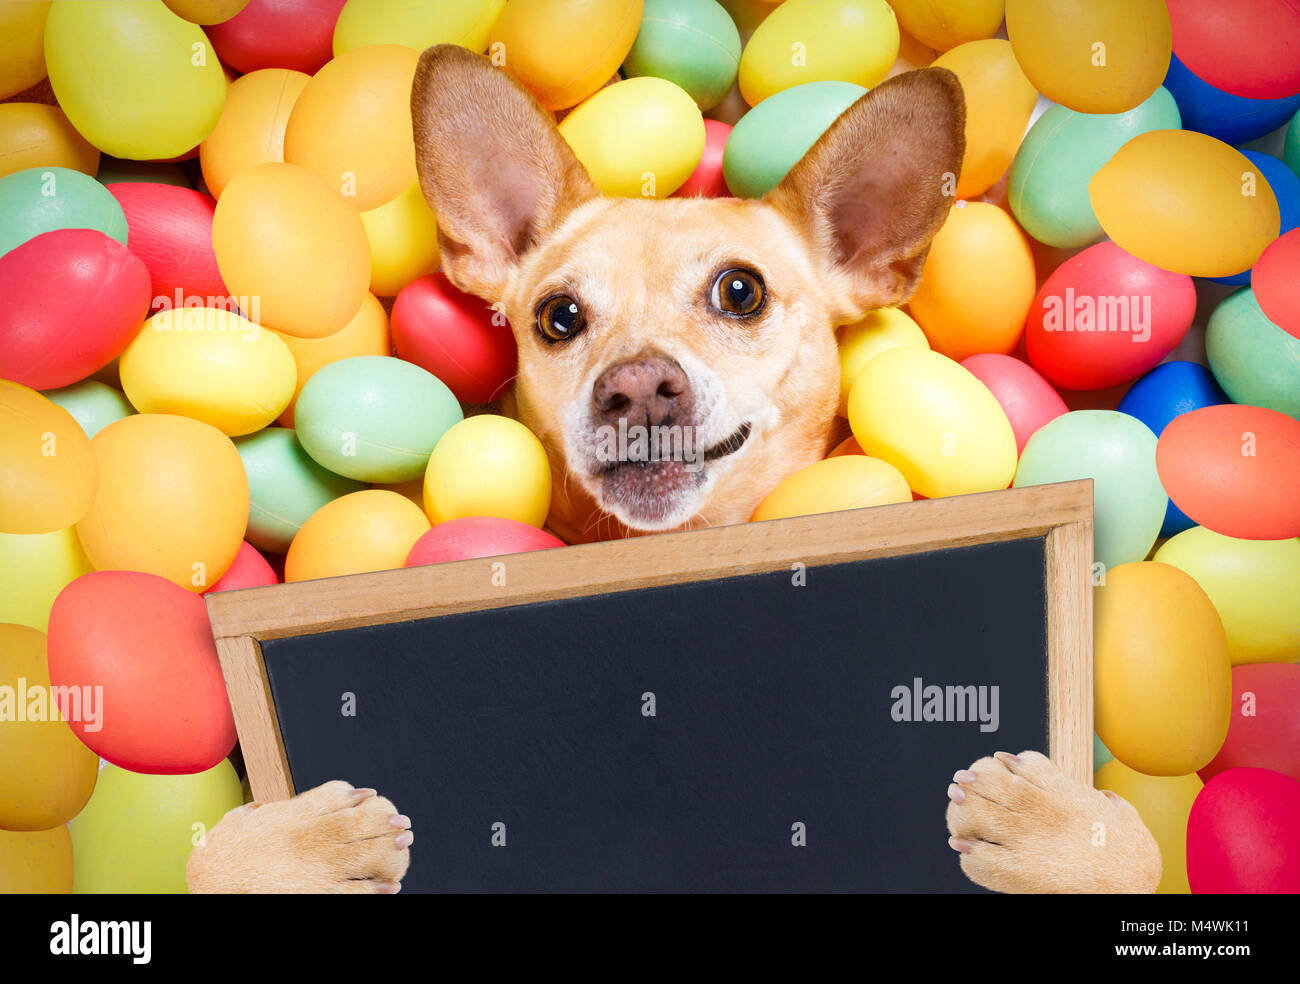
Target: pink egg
707 180
170 229
1243 835
249 570
1247 49
1264 730
1276 282
296 34
1026 397
478 536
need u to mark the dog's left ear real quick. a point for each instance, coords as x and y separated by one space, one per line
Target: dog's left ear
875 188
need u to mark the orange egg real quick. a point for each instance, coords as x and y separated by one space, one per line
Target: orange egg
37 862
251 128
847 481
36 135
47 469
372 530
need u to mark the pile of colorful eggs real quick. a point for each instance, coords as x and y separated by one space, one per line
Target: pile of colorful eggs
229 358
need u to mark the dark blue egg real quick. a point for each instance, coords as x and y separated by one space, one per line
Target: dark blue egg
1232 119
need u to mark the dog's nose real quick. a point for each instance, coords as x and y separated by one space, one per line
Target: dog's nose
649 390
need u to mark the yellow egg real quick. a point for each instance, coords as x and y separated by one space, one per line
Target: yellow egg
1162 679
564 50
418 24
944 24
851 481
211 365
1255 587
999 102
34 568
206 11
47 469
1187 203
1103 56
1163 803
36 862
283 237
251 128
403 237
488 466
37 135
366 334
819 41
878 332
371 530
933 421
640 138
22 45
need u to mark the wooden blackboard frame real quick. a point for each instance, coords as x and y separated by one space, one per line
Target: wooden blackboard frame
1060 513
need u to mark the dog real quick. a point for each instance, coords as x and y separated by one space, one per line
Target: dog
713 321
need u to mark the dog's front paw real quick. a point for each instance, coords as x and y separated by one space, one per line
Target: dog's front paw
1021 826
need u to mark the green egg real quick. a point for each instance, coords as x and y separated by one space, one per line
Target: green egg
693 43
772 137
42 199
1291 148
1100 753
1048 192
93 404
1254 360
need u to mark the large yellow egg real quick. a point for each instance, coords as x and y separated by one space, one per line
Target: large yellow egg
251 128
488 466
366 334
878 332
371 530
1102 56
1163 803
999 102
36 862
564 50
37 135
851 481
206 11
34 568
22 45
1187 203
819 41
47 469
212 365
172 500
640 138
283 237
403 236
934 421
135 80
944 24
1162 679
418 24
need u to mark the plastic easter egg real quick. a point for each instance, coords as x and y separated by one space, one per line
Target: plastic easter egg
1254 360
135 80
403 236
1243 835
1163 803
819 41
416 25
34 568
693 43
206 12
478 536
488 466
144 649
1264 731
170 229
22 46
251 129
137 831
1104 56
933 421
773 136
1233 119
1118 453
849 445
371 530
46 774
282 236
1100 753
48 472
851 481
944 24
1291 146
879 331
43 199
36 135
1180 200
595 36
977 284
1285 185
172 500
999 103
455 336
1161 676
73 300
250 570
1026 398
634 128
285 487
1235 470
1048 193
93 404
293 34
36 862
1276 282
708 180
1244 49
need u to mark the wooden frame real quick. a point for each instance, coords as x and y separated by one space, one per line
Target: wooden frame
1061 513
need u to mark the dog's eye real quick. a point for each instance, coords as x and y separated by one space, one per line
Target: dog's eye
738 292
559 318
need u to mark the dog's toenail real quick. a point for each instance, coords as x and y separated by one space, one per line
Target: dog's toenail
959 845
404 839
964 775
398 820
956 795
1007 758
360 794
387 888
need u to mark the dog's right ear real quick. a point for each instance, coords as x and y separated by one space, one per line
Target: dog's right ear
492 165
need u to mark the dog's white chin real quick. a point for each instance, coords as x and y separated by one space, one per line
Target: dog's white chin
662 497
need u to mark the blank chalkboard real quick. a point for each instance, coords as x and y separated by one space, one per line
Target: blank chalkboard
769 708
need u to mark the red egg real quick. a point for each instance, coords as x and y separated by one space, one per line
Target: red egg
147 643
478 536
1264 731
1105 317
1243 835
1248 49
455 336
249 570
707 180
1234 469
1275 279
297 34
170 229
72 301
1026 397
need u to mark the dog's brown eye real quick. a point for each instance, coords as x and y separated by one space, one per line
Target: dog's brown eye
560 318
738 292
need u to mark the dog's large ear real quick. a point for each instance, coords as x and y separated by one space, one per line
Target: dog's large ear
492 165
875 188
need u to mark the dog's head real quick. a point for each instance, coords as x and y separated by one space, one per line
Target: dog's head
678 358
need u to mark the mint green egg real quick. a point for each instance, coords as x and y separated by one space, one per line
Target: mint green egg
42 199
1254 360
1291 148
1048 191
1100 753
772 137
285 486
374 418
693 43
1118 453
94 405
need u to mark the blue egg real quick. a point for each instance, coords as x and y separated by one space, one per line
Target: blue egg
1286 188
1232 119
1168 391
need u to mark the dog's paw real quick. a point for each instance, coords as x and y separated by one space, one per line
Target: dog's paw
331 839
1021 826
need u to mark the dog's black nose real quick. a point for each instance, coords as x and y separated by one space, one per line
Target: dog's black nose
647 390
